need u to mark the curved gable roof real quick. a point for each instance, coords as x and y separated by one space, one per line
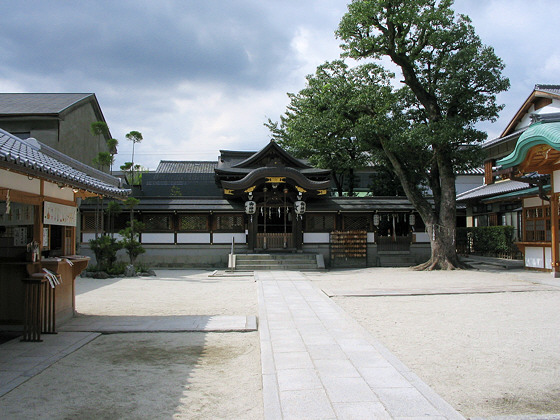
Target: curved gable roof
270 149
538 133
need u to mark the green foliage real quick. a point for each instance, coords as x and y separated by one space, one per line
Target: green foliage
142 268
117 268
176 191
99 128
130 240
487 240
328 122
103 160
134 137
105 249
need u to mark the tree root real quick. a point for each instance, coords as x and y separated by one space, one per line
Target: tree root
441 264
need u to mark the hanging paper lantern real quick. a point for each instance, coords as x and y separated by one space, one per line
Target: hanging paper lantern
299 207
412 220
376 219
250 207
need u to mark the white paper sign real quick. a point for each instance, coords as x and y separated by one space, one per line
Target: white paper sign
59 214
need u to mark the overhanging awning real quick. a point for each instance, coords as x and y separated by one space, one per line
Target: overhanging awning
542 135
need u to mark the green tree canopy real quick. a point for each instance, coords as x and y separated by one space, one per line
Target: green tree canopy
324 121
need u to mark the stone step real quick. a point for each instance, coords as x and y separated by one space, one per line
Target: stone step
396 260
290 257
300 262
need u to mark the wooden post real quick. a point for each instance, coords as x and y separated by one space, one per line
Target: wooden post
554 197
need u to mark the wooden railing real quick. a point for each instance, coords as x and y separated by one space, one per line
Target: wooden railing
389 243
275 240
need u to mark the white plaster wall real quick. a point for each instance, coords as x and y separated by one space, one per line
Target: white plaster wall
548 258
556 178
158 238
193 238
225 238
549 109
534 257
532 202
19 182
53 190
316 238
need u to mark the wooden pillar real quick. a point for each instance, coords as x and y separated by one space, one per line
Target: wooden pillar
554 197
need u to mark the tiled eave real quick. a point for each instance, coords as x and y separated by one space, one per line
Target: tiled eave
22 157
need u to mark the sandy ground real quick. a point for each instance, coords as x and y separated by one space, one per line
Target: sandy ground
487 354
153 375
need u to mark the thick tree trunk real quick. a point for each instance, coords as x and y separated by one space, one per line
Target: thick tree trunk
443 249
439 219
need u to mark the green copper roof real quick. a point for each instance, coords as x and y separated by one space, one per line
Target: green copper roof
537 133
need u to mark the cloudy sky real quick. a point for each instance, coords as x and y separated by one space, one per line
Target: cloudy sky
197 76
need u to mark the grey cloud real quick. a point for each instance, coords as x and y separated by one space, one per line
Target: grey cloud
237 42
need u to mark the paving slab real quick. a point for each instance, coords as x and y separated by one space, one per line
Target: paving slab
175 323
320 363
20 361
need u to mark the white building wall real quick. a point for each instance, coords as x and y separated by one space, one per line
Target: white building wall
534 257
193 238
549 109
158 238
225 238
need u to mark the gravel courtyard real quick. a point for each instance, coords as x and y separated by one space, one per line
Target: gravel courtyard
487 341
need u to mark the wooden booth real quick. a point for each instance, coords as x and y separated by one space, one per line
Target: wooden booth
538 151
39 193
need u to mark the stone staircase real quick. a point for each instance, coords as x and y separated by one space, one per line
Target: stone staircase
296 262
395 259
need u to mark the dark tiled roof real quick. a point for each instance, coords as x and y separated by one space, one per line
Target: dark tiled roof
34 158
511 136
554 89
38 103
192 167
492 189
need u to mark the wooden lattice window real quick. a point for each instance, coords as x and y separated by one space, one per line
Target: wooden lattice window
193 223
537 224
357 222
88 222
157 222
319 222
229 223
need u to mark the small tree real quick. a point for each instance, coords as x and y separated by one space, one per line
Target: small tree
104 159
105 249
113 208
134 137
130 241
100 128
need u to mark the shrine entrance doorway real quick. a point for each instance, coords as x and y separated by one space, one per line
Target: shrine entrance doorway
275 230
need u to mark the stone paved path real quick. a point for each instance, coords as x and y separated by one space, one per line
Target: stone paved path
318 363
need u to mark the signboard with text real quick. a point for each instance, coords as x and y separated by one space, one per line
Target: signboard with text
59 214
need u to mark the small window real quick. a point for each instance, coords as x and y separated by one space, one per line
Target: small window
157 222
357 222
319 222
229 223
193 223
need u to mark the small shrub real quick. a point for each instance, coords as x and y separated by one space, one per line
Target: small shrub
105 249
487 240
117 268
142 268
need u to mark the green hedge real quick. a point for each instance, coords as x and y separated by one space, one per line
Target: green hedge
486 240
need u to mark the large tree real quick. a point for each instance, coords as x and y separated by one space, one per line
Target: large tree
450 83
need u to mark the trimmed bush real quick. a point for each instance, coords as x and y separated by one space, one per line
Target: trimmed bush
486 240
